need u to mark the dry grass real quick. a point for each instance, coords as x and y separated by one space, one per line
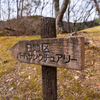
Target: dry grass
19 81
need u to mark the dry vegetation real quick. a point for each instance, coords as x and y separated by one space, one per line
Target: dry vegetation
19 81
22 26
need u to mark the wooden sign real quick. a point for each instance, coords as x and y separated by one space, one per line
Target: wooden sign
56 52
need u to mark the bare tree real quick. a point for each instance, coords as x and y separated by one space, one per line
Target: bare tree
0 10
69 30
43 6
97 8
22 1
19 4
9 9
56 5
17 9
31 7
59 26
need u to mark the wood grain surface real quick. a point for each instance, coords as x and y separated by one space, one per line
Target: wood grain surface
58 52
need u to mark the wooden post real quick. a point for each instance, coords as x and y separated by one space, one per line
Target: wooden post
49 74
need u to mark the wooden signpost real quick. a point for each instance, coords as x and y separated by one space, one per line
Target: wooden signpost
57 52
51 53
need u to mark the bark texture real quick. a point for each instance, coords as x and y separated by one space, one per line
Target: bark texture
59 18
17 9
56 5
22 8
49 74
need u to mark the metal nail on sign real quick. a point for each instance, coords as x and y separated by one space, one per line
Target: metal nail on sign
58 52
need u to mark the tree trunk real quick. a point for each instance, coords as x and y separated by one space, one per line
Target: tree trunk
0 10
56 5
99 18
59 26
17 9
22 9
69 18
97 8
8 9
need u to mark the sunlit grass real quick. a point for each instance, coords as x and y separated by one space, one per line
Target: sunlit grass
27 78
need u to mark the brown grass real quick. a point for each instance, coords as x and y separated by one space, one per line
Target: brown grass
19 81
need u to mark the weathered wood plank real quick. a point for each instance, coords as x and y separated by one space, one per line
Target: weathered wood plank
49 74
57 52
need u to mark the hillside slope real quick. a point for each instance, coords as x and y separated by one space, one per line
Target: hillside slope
21 26
30 25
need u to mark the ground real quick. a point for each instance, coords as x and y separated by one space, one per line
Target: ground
20 81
